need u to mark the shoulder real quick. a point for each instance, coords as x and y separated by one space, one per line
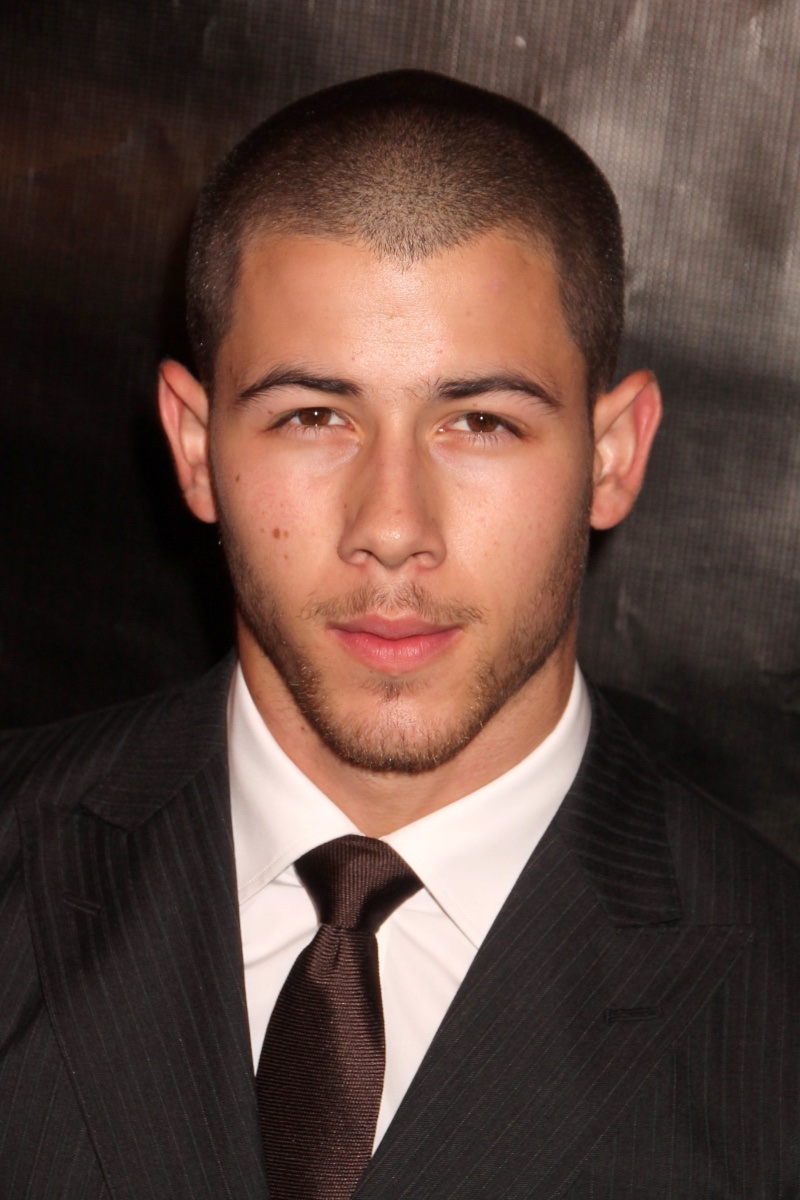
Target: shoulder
726 871
71 756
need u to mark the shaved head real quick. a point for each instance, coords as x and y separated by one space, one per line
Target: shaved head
410 164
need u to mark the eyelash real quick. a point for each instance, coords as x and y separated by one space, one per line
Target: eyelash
489 435
289 417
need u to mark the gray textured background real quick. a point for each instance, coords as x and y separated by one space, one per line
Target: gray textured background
112 113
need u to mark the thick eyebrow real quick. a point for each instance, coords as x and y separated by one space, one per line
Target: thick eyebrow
280 377
503 381
451 389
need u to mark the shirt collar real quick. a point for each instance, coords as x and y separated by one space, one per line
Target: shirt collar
467 854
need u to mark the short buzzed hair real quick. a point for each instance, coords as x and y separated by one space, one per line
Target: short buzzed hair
411 163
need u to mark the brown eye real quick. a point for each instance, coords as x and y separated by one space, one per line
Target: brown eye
481 422
315 416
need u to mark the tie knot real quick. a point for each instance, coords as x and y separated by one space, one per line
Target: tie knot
356 882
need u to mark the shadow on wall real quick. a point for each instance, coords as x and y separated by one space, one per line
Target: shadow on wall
690 611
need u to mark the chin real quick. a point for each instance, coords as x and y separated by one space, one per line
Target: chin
380 747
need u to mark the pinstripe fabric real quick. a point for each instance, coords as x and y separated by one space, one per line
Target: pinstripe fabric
628 1029
631 1026
138 1015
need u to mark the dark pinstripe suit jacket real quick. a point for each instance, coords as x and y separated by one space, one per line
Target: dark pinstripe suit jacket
630 1028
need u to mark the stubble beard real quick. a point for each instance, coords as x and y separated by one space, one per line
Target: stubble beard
389 742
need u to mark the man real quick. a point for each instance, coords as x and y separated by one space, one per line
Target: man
405 297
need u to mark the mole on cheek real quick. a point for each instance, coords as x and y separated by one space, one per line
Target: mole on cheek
276 533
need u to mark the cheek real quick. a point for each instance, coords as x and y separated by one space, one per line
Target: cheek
274 517
514 519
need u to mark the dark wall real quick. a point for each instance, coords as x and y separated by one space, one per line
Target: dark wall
112 114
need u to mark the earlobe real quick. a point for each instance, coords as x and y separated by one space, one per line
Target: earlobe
184 408
625 424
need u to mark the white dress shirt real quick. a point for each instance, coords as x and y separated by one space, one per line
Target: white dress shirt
468 856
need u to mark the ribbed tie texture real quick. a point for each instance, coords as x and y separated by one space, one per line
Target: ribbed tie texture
320 1075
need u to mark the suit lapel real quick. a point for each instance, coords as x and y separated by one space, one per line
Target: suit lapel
589 975
133 908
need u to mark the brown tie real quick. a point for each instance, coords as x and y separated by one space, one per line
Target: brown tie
320 1075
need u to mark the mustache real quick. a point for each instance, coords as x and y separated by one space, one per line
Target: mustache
406 599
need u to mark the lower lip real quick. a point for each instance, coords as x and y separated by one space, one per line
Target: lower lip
395 654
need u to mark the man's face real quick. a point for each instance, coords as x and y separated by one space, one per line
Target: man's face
401 461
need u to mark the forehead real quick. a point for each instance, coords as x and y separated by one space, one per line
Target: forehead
493 297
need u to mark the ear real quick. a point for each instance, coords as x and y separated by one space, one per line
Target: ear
184 408
625 423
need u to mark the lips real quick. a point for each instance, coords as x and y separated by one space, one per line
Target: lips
393 644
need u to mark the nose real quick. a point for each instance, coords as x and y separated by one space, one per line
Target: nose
391 508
